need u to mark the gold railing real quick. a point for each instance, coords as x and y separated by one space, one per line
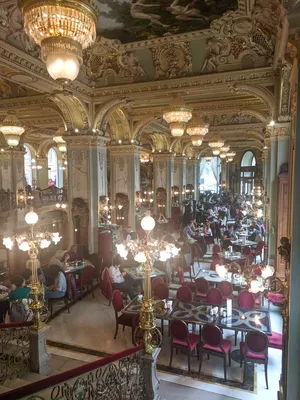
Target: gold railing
14 350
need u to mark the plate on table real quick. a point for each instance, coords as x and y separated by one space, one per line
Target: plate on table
213 275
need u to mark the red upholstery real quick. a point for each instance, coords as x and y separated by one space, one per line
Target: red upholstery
191 285
117 301
246 299
250 354
225 343
202 287
216 249
259 248
155 282
226 289
71 286
106 288
214 296
193 338
246 250
184 293
275 341
161 291
275 298
87 275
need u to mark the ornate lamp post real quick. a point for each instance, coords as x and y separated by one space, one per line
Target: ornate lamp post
31 242
146 252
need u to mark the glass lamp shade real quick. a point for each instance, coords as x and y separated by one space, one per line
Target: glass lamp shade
61 143
197 140
140 257
216 152
178 111
8 243
208 159
231 154
229 159
216 144
197 127
256 287
62 66
24 246
177 128
267 272
222 155
12 129
148 223
31 218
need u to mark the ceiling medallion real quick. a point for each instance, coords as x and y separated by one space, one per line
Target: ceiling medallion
177 115
12 129
62 29
216 145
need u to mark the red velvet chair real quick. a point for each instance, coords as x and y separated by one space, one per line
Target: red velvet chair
245 300
155 282
214 297
258 250
182 282
275 293
122 319
214 344
161 291
226 289
184 294
86 279
275 340
255 350
216 250
182 339
202 287
106 286
246 250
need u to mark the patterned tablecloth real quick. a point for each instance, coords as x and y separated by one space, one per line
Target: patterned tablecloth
161 312
213 277
232 257
244 243
138 274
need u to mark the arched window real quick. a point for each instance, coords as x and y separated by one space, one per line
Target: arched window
52 168
248 169
27 165
210 174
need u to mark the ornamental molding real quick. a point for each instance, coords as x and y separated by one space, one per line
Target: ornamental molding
105 111
284 114
172 60
280 131
258 91
158 157
85 141
124 149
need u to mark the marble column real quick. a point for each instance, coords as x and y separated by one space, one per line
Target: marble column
125 176
87 180
180 176
163 170
279 138
12 170
42 174
193 175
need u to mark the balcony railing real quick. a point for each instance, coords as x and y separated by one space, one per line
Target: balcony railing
117 377
36 198
14 350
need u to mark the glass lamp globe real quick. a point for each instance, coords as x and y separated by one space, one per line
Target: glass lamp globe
140 257
216 152
148 223
24 246
196 140
31 218
12 140
63 66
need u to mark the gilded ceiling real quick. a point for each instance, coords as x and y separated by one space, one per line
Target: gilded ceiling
137 20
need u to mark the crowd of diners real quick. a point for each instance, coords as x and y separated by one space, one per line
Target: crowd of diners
14 291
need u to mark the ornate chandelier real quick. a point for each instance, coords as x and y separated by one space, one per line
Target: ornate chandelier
216 145
177 115
62 29
224 150
12 129
60 142
230 156
197 129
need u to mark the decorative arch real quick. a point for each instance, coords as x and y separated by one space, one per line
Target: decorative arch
106 110
257 91
248 159
73 112
120 129
44 147
263 117
141 125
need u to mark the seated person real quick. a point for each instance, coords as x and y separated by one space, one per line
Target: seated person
20 291
59 288
207 230
229 233
59 258
74 253
117 278
194 226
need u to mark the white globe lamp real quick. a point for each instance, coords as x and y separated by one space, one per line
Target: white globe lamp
148 223
31 218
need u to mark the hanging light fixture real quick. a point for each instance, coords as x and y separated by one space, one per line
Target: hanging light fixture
216 145
60 142
223 151
208 160
197 129
230 156
12 129
177 115
62 29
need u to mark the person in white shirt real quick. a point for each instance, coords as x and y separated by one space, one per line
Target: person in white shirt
117 278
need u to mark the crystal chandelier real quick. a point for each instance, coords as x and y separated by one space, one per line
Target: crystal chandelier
223 151
230 156
177 115
62 29
197 129
60 142
208 160
12 129
216 145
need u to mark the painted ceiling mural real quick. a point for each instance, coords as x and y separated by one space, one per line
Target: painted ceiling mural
137 20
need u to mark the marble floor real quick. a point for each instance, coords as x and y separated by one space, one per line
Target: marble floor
89 329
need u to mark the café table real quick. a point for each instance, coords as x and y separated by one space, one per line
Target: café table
231 257
76 266
137 274
213 278
243 243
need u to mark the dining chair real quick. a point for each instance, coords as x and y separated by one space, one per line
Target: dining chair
196 255
156 281
161 291
184 294
246 250
216 250
255 350
245 300
182 282
214 344
68 297
226 289
183 340
258 250
86 279
202 287
122 319
275 341
275 292
214 297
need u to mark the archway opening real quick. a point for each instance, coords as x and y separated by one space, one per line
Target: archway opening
28 166
248 170
52 168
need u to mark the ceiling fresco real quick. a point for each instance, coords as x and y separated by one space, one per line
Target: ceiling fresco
137 20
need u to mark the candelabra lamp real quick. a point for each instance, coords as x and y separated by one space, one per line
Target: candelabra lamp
146 252
31 242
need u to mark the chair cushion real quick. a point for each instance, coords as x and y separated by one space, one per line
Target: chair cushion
191 285
199 294
126 319
225 343
194 340
250 354
275 340
275 297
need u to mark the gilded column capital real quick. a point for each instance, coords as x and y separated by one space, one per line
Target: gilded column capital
180 159
280 131
193 161
124 149
85 141
163 157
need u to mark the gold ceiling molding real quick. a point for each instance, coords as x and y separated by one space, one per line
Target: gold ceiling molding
106 109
